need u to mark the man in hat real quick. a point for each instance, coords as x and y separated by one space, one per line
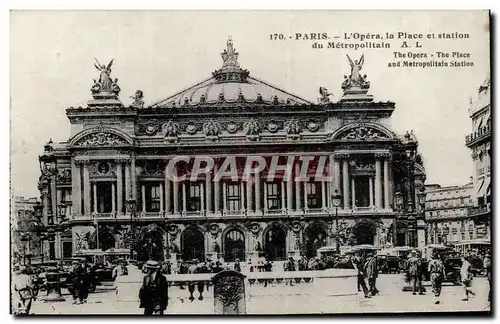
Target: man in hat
414 272
436 271
153 294
371 272
358 264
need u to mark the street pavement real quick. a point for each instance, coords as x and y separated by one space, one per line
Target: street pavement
391 300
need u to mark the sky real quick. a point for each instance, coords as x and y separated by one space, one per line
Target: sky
162 52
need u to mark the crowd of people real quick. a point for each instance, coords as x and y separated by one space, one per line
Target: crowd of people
153 294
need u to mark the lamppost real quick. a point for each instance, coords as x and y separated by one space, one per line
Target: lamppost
336 201
131 206
398 206
421 212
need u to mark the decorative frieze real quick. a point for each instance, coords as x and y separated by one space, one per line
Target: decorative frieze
101 139
362 133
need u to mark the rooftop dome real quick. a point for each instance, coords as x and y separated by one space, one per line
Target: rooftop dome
230 84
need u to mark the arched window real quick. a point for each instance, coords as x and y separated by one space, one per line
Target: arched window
193 244
314 238
234 246
275 244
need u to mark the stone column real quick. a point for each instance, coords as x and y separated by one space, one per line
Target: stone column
386 183
336 173
258 209
128 182
113 197
216 191
297 187
345 178
224 197
208 186
94 185
86 189
283 201
133 177
176 192
306 206
76 189
119 187
143 198
353 193
184 198
202 197
162 197
323 195
371 191
378 182
332 175
289 194
249 195
168 201
242 190
266 208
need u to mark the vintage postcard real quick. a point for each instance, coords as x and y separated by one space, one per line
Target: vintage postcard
250 162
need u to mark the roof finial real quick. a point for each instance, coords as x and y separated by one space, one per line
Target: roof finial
229 56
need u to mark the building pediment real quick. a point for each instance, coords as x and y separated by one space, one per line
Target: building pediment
362 132
101 136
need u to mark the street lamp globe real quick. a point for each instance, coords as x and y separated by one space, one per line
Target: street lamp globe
336 198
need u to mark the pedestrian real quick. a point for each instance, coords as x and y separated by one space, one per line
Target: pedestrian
81 285
371 272
237 266
153 294
23 292
415 272
436 273
466 277
119 270
487 267
358 264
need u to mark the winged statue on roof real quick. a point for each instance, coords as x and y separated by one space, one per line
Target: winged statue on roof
105 80
355 79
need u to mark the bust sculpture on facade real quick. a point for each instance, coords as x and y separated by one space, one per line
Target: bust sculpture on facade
138 102
325 95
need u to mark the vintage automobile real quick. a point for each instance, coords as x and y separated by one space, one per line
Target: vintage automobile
388 263
451 262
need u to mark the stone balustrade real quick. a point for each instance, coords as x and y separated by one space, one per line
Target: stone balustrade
258 286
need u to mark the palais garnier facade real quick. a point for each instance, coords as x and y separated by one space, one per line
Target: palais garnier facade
110 184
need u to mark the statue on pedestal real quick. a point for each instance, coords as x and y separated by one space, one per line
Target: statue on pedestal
105 77
356 80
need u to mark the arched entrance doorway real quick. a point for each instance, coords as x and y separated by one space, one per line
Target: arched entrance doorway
151 246
314 237
234 246
193 244
275 243
364 232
